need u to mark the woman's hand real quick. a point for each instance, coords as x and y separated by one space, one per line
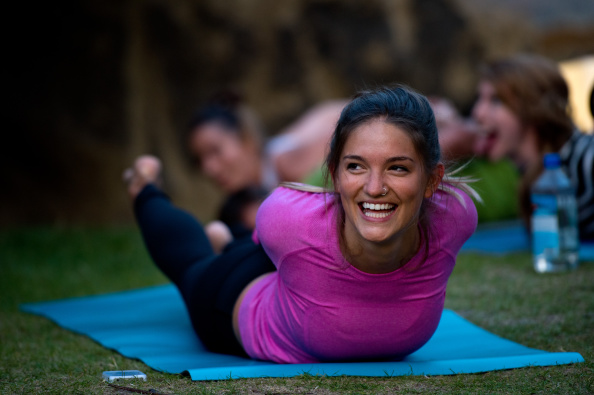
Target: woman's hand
145 170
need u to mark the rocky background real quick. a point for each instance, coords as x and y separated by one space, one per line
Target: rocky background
92 84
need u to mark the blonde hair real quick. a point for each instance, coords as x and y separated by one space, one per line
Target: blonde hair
460 182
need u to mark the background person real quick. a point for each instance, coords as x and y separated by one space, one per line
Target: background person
522 109
227 142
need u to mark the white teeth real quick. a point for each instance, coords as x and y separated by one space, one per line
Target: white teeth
369 209
371 206
376 215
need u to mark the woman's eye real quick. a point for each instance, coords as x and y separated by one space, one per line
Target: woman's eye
353 166
398 168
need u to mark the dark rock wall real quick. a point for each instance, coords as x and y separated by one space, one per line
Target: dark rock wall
91 84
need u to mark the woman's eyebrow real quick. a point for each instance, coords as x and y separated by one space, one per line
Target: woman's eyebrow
388 160
399 159
353 157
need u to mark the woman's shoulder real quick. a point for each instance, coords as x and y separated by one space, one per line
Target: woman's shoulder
454 211
579 145
290 219
455 198
296 196
293 206
577 157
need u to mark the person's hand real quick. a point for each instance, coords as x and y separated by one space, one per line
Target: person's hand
145 170
459 138
219 235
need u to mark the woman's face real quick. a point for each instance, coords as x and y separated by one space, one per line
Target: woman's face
224 158
503 131
377 155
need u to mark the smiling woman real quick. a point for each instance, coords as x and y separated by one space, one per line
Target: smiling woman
382 184
356 273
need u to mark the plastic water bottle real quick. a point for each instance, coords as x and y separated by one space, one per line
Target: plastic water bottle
555 241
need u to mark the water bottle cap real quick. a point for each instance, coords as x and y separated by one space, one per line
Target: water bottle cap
552 160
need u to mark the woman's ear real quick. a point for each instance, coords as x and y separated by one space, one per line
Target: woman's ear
330 177
434 179
335 183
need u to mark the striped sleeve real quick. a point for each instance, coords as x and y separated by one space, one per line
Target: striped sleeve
577 156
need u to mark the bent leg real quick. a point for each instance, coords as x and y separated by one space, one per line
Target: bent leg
209 283
174 239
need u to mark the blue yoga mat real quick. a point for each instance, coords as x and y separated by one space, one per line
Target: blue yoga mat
152 325
506 237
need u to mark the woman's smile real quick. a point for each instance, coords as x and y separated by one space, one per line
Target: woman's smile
377 210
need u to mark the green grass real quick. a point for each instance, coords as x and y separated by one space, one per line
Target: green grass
500 294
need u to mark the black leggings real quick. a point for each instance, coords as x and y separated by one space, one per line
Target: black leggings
209 283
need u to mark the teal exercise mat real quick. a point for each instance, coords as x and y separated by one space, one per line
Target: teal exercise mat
506 237
152 325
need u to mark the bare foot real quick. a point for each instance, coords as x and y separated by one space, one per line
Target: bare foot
145 170
219 235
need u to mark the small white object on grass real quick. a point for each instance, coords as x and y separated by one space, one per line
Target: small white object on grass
113 375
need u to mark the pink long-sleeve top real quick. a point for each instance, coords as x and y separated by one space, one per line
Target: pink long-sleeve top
318 307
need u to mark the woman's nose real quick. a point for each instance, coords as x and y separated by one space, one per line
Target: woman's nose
211 167
375 185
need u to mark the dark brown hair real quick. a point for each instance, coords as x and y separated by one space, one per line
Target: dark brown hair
409 111
399 106
228 109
